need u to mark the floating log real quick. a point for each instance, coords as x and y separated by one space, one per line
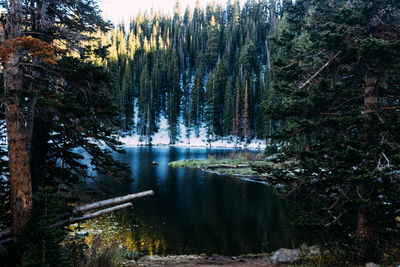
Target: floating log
112 201
90 215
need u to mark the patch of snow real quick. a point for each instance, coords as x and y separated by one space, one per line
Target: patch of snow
161 138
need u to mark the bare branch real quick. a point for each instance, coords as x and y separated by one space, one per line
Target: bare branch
320 70
336 218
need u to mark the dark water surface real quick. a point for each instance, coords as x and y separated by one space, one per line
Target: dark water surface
196 212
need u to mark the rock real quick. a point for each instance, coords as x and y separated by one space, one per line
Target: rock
371 264
274 156
285 255
155 163
242 260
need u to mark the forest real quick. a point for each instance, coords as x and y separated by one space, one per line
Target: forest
318 80
201 68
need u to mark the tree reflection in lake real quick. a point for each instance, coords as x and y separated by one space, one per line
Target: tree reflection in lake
193 212
108 232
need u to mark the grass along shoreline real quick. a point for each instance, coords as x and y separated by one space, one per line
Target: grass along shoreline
237 164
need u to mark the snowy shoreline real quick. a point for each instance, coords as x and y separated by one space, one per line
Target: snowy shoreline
224 143
189 140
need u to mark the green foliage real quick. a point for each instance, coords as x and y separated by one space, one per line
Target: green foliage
181 64
71 120
43 245
234 159
340 125
82 117
5 213
4 185
75 247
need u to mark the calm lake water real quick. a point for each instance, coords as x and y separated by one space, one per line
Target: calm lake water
196 212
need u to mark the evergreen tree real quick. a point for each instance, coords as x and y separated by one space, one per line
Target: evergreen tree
197 101
227 42
335 100
54 103
174 99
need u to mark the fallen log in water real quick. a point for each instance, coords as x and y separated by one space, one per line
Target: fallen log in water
111 202
90 215
88 207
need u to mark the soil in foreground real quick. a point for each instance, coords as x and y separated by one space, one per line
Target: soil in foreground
196 260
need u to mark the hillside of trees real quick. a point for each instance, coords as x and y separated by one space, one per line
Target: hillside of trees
200 67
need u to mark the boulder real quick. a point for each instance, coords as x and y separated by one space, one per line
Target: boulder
285 255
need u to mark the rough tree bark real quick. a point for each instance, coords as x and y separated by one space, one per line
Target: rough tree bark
18 152
366 231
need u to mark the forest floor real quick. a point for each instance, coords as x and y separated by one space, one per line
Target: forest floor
202 260
257 260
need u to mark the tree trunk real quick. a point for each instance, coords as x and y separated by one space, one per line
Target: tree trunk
370 96
18 152
366 230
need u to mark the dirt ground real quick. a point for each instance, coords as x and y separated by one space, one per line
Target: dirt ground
195 260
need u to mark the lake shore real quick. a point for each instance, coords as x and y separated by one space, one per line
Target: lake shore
241 164
203 260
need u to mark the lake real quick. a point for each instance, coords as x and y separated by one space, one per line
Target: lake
193 212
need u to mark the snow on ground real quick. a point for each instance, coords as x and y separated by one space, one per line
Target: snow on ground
161 138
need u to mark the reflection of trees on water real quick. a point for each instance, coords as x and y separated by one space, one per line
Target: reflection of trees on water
197 212
118 230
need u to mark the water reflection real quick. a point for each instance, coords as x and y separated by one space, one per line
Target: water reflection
196 212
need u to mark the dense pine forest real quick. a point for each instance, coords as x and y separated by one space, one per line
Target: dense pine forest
318 80
197 67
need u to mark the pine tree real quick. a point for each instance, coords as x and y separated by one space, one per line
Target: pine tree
127 92
197 101
212 43
54 103
174 99
246 126
227 42
229 109
336 114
